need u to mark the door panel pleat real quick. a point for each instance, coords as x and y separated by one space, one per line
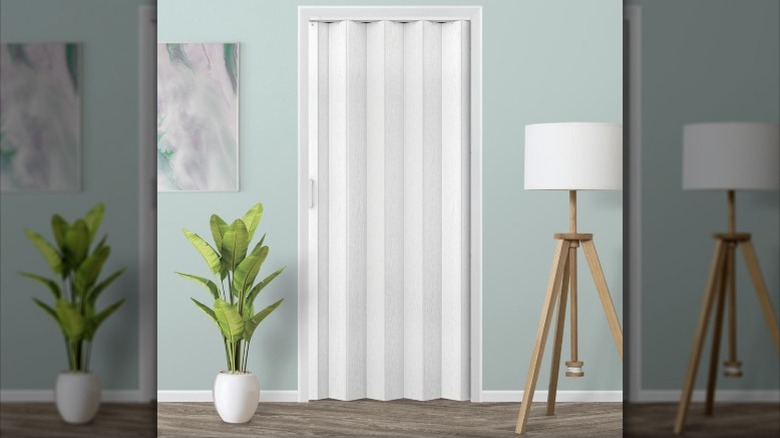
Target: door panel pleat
375 206
394 207
431 208
454 256
413 221
323 206
337 232
356 210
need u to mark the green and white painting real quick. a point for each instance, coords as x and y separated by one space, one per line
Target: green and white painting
40 117
197 116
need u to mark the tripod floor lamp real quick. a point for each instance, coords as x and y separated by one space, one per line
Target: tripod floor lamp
569 156
730 157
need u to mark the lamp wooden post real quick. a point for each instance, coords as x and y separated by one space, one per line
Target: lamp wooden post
584 156
728 156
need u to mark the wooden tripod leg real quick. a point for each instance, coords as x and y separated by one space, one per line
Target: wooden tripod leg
555 363
574 341
720 290
601 286
761 290
553 284
716 265
732 305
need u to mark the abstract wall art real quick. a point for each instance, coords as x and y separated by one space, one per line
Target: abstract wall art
40 117
197 116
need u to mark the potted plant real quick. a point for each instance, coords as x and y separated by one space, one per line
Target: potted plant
75 292
236 391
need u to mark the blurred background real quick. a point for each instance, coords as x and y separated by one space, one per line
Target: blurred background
78 87
691 62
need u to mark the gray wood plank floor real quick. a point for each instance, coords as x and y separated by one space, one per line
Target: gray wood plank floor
401 418
114 420
748 420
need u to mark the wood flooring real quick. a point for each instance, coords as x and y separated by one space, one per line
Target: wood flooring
402 418
114 420
738 420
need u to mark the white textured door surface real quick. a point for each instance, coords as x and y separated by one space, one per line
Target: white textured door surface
392 144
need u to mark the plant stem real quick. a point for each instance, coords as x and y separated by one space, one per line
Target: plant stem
221 285
71 347
246 357
86 360
67 349
227 352
230 287
231 357
237 356
77 345
72 290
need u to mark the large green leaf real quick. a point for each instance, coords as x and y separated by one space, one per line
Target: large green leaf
251 325
250 297
49 311
209 255
210 285
94 323
230 322
93 218
252 218
218 228
235 242
247 271
207 310
51 284
49 253
95 292
102 242
59 227
89 270
76 243
71 320
246 312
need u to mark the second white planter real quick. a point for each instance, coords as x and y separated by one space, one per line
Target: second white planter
236 396
77 396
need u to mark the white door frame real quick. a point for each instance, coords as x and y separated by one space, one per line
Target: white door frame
307 175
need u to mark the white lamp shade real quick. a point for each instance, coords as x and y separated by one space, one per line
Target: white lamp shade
731 156
574 156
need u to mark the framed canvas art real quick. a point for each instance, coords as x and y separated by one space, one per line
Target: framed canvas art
197 116
40 116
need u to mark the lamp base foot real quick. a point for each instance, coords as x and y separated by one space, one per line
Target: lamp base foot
732 368
574 368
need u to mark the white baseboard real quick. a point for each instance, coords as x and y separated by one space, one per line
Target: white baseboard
47 396
725 395
206 396
562 396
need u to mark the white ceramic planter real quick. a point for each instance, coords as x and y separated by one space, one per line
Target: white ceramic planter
236 396
77 396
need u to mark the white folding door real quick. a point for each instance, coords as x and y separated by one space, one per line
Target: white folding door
391 131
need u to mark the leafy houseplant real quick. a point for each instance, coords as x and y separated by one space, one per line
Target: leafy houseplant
233 287
75 293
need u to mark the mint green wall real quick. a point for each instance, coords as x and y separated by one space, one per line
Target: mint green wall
32 346
703 60
543 61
